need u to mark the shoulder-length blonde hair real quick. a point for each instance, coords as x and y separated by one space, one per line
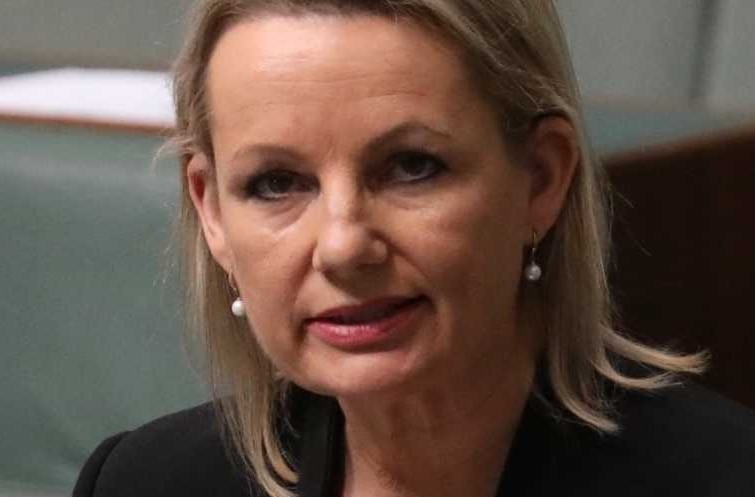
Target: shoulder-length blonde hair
516 52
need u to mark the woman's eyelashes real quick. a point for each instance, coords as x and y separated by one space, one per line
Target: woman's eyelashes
413 167
402 168
275 185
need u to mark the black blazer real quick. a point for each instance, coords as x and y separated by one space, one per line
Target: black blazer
682 441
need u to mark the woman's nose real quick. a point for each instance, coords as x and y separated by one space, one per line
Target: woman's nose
347 242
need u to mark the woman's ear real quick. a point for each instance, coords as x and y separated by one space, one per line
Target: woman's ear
203 190
552 155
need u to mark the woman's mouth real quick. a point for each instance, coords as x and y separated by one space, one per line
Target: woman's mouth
366 325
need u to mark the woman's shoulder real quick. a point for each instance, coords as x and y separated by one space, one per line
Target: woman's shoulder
692 423
679 440
687 406
179 454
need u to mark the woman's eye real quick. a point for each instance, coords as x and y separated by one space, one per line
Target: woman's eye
410 167
275 185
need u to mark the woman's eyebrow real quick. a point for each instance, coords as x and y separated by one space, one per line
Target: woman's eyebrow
267 150
413 131
405 130
408 129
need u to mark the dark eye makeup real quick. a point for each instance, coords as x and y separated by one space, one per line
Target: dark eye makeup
401 168
270 186
413 167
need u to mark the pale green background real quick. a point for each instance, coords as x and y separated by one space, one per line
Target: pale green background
663 51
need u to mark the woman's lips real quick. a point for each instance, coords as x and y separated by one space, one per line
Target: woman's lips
366 325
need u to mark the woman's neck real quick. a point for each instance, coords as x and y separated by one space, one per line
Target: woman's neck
451 440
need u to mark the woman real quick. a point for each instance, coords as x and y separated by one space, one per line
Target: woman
397 247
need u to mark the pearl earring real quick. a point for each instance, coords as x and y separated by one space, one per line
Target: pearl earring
237 307
533 271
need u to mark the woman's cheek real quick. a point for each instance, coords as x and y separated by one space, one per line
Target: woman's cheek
268 290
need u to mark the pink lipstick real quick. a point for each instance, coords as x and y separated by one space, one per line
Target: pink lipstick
366 325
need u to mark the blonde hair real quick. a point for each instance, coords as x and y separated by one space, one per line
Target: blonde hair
516 52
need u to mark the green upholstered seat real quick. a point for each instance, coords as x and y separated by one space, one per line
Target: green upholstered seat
90 342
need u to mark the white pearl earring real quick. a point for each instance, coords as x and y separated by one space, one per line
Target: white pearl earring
533 271
237 307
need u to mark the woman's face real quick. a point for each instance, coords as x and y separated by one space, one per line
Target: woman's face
356 164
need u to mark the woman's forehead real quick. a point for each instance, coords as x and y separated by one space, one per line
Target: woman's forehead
305 60
334 83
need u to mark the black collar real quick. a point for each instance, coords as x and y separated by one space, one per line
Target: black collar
321 448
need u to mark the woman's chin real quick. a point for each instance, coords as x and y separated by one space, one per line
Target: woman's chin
365 374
